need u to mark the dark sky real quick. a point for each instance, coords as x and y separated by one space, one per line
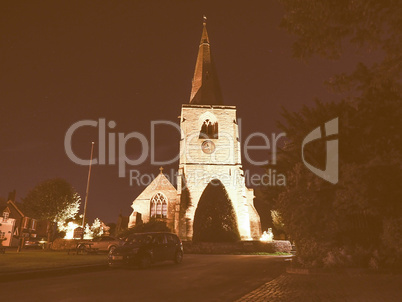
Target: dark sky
132 62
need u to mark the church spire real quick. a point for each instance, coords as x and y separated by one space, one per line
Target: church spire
205 86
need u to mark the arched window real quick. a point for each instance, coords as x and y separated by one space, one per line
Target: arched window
153 208
158 209
209 129
164 209
159 206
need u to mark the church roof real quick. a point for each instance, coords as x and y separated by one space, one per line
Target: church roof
160 183
205 85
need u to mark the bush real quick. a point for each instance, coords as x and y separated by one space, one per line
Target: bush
64 244
215 218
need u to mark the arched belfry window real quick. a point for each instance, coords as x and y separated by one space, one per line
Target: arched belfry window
209 129
159 206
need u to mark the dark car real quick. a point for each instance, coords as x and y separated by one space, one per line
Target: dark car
103 243
143 249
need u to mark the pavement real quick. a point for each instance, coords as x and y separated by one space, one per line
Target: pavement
51 272
294 285
198 278
346 286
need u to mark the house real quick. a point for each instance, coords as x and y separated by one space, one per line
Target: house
14 225
7 227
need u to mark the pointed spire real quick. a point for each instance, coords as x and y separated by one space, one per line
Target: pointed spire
204 36
205 86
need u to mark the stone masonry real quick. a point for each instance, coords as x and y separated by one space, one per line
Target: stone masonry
198 168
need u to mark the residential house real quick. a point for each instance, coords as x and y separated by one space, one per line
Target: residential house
14 225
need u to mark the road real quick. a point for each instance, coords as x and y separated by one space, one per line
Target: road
198 278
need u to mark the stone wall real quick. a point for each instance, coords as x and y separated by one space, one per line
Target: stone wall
197 168
143 202
227 145
236 247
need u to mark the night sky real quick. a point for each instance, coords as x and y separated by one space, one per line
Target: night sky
132 62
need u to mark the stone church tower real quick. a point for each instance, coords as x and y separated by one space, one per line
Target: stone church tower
209 151
210 148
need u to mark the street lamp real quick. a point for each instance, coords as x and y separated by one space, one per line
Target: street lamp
86 193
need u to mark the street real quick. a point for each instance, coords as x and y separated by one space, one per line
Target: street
198 278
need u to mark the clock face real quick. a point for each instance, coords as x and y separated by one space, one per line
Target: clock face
208 147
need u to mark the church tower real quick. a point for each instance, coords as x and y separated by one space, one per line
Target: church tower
210 151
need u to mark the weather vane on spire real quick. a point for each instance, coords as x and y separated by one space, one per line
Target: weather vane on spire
204 19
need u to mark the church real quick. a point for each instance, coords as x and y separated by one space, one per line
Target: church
210 154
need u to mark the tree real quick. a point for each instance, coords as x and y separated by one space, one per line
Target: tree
348 223
357 221
112 228
54 200
277 220
322 27
88 234
215 218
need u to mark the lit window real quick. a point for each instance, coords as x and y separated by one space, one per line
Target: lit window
158 209
159 206
25 222
5 215
153 209
209 129
33 224
164 209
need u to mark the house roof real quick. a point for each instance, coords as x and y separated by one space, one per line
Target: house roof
7 210
160 183
13 205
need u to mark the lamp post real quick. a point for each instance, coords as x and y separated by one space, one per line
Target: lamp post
87 191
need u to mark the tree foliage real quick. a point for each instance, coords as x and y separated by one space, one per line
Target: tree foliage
97 228
215 218
350 221
277 220
323 26
357 221
54 200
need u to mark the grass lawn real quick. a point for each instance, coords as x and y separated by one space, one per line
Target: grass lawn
12 261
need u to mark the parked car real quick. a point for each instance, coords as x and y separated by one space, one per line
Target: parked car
103 243
143 249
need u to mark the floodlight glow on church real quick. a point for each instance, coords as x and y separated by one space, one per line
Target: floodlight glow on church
210 147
